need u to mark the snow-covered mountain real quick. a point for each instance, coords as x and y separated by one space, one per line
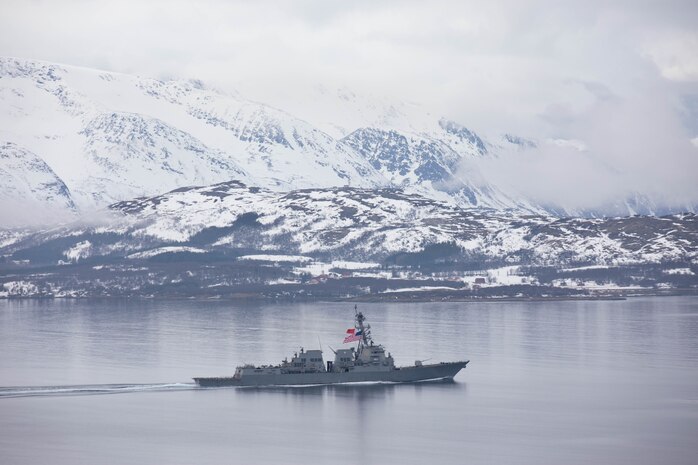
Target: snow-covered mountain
376 223
433 164
28 182
229 239
76 139
359 224
109 137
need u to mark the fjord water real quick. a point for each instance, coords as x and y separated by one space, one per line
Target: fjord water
548 383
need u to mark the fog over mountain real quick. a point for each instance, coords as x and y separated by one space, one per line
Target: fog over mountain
603 95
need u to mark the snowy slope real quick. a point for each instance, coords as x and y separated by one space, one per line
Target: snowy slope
128 154
29 185
360 224
434 165
110 136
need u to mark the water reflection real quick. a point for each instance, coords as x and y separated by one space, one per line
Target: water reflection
362 418
358 391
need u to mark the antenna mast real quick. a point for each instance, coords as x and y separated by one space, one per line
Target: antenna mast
365 330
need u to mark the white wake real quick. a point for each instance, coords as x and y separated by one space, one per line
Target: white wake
90 389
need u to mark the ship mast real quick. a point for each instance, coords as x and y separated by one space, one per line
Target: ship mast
365 330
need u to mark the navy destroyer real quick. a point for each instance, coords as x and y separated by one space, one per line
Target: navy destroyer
368 362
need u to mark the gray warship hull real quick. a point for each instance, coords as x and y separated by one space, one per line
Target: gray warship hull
408 374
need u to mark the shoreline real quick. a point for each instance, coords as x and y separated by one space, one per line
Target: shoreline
392 297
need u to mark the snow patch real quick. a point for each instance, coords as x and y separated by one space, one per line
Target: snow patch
277 258
354 265
19 289
684 271
162 250
421 289
79 251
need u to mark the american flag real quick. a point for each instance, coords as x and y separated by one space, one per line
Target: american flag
352 335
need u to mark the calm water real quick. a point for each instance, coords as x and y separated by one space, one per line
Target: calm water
548 383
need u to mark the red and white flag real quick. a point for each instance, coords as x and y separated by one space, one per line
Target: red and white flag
352 335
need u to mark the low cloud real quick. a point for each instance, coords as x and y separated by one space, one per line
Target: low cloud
617 150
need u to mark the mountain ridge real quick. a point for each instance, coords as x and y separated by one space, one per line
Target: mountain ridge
112 136
371 224
230 238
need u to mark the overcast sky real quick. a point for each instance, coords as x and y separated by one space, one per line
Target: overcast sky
620 77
